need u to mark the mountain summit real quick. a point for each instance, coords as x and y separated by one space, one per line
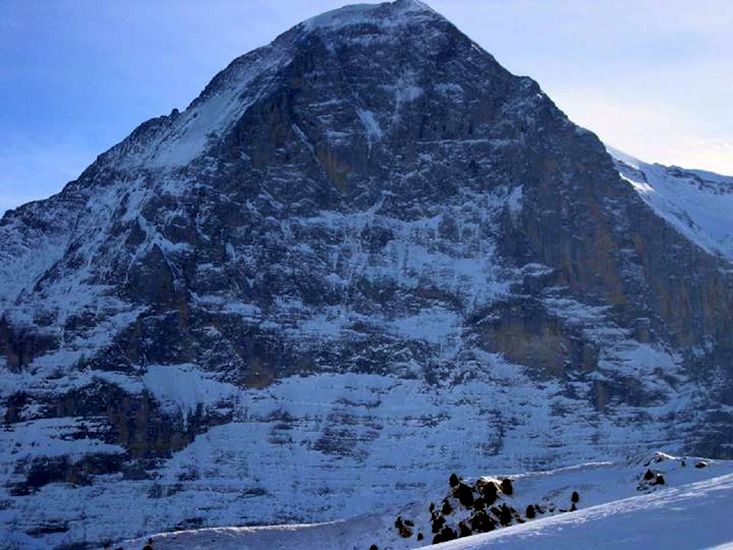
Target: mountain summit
364 257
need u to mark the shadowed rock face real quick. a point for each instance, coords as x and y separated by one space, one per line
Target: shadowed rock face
369 195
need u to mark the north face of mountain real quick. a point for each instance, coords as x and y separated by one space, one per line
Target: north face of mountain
366 255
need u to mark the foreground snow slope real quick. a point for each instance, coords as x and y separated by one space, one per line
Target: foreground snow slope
616 506
696 515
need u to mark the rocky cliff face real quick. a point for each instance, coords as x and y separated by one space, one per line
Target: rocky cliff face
364 256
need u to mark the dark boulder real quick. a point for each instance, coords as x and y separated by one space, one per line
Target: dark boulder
437 522
481 522
505 515
454 480
489 492
463 530
506 486
445 535
464 494
403 529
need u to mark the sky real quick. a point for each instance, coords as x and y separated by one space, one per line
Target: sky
653 78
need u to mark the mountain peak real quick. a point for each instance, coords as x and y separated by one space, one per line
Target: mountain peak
391 14
175 141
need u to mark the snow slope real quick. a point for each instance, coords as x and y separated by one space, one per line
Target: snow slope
698 204
688 511
696 515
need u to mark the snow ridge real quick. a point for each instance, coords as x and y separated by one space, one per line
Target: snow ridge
386 15
698 204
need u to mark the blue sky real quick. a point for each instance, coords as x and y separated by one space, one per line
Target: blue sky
651 77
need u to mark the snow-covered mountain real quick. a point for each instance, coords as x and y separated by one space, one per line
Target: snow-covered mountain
366 255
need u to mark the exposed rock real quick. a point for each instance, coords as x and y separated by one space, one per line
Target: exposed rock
506 486
481 522
437 522
464 494
403 527
463 530
445 535
488 490
505 515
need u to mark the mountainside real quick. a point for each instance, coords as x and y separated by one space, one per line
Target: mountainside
366 255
